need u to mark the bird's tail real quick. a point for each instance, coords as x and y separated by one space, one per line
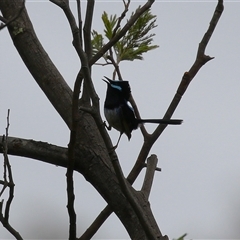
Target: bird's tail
161 121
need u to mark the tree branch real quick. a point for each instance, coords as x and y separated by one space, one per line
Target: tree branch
150 139
7 182
79 21
85 69
148 180
97 223
116 66
126 6
106 212
42 151
121 33
201 59
127 190
71 159
7 169
27 44
87 28
94 169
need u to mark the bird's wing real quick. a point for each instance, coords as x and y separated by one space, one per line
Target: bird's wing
128 119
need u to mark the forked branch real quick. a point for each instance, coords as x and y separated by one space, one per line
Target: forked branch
201 59
7 183
127 190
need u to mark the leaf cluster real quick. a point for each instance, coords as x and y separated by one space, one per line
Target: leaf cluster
133 44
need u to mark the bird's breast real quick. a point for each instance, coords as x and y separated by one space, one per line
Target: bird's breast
113 117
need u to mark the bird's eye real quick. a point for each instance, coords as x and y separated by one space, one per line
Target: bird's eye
116 87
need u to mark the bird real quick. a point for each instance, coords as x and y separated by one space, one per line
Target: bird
119 113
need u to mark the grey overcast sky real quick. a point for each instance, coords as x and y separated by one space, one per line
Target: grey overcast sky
198 190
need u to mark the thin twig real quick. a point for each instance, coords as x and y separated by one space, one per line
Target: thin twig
122 32
85 69
88 88
71 159
87 28
7 169
103 64
116 66
8 182
110 57
79 21
126 6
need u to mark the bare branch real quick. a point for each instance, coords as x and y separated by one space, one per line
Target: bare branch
7 169
148 180
116 66
85 69
126 6
10 228
60 3
101 218
79 21
42 151
7 182
187 77
87 28
64 5
26 42
127 190
71 160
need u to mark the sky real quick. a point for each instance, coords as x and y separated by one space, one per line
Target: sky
198 190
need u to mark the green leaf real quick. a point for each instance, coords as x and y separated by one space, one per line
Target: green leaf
109 24
97 41
137 40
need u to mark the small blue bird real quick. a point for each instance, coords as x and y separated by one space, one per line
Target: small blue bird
118 112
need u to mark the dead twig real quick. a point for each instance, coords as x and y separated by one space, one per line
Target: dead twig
7 183
150 171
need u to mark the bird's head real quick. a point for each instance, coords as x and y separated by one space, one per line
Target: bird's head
121 86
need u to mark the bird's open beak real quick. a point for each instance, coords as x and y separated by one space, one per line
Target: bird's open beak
106 80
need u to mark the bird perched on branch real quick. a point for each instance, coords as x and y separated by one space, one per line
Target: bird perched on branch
118 112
